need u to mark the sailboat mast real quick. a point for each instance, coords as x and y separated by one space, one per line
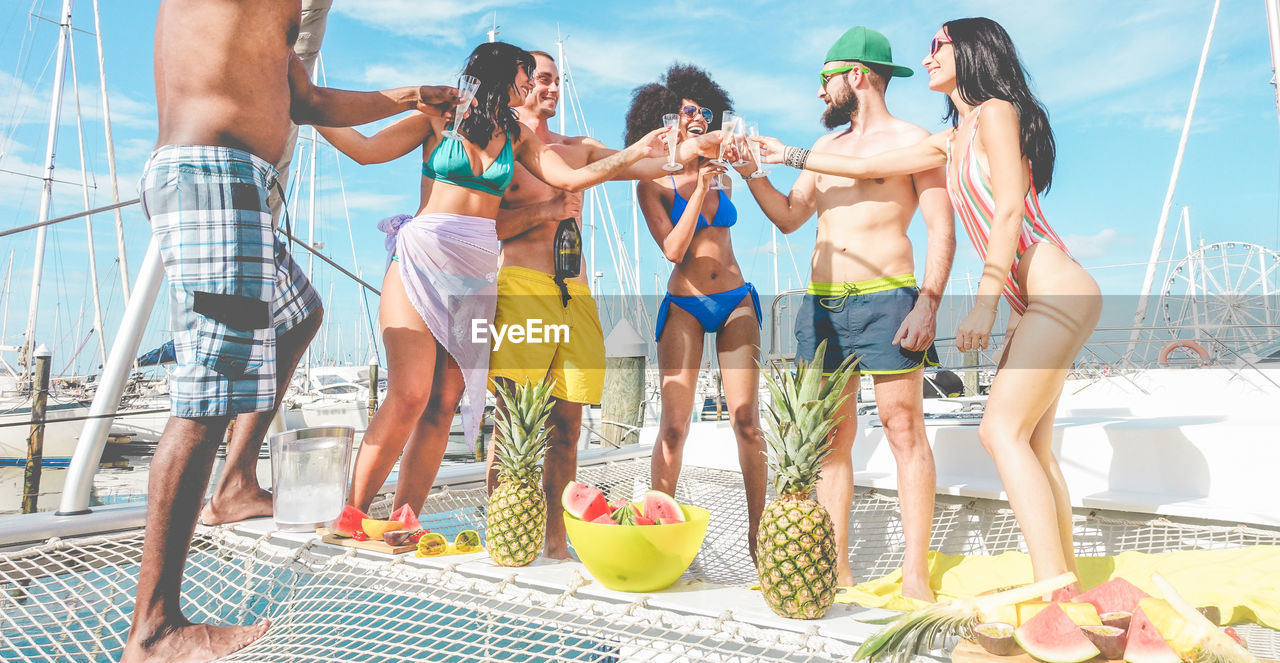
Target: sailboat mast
564 73
1273 30
88 219
111 159
1140 315
46 190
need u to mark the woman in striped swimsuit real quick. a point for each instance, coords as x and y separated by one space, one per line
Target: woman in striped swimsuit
999 157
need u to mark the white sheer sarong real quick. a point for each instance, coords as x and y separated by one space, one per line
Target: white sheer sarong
449 265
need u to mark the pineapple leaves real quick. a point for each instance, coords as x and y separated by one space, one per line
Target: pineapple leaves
801 414
521 431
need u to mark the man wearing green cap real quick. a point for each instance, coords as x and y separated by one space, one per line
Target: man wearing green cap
862 297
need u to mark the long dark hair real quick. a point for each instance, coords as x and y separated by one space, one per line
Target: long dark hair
987 67
681 81
495 64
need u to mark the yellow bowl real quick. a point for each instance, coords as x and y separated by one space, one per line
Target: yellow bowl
638 558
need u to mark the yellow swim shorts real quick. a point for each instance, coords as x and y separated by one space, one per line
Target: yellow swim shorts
535 334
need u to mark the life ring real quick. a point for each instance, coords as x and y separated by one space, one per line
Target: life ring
1190 345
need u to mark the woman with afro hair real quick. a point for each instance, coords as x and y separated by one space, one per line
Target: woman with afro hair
707 293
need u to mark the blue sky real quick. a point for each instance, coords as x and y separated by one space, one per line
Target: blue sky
1116 78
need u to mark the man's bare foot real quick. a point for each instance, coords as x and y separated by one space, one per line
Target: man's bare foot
192 643
845 579
243 505
560 552
918 589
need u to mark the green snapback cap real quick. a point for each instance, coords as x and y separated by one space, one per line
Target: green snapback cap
866 45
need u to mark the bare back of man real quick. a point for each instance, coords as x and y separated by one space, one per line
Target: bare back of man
232 90
863 301
228 87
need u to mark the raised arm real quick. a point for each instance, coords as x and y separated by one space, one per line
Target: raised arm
787 212
1000 137
927 154
343 108
549 167
674 239
396 140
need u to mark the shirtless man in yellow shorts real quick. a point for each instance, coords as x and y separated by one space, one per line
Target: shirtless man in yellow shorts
542 288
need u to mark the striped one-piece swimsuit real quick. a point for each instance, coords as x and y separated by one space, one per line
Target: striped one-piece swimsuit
971 196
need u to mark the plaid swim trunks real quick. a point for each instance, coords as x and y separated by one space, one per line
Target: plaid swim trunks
233 286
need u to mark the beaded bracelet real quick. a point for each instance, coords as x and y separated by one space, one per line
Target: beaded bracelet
795 157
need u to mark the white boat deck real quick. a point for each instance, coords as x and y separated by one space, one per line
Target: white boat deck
694 598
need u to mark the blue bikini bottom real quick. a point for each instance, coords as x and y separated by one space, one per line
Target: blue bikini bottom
710 310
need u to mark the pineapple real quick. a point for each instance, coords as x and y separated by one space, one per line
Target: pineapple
927 628
517 517
796 549
1192 636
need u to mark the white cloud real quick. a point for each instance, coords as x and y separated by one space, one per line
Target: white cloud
452 21
385 204
1092 246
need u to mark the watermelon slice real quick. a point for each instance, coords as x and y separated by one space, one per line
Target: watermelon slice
1052 637
658 505
1145 644
604 519
1082 614
584 502
1114 595
348 522
406 515
617 504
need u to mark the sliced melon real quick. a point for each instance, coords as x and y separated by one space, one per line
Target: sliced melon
376 528
1114 595
1145 644
1052 637
1082 614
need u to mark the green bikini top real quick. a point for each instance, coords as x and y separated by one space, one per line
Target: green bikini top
452 165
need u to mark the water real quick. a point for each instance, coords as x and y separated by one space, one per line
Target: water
304 506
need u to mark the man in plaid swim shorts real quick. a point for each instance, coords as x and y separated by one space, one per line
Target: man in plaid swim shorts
228 86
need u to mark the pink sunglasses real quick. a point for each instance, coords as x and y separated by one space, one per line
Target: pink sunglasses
936 44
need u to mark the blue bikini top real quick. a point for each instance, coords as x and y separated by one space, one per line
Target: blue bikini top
726 213
452 165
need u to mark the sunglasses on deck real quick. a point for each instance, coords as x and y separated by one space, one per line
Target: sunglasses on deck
936 44
826 75
691 110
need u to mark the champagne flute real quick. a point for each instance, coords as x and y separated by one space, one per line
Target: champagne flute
753 130
740 140
672 122
727 123
467 86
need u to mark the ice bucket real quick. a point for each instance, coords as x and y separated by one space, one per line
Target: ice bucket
309 469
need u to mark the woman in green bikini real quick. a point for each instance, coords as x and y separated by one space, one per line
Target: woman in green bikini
442 264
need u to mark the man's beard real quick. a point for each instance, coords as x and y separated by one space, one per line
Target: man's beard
838 114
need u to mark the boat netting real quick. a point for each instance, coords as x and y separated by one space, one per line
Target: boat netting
71 600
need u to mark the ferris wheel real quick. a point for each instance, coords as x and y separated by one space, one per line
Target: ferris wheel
1227 293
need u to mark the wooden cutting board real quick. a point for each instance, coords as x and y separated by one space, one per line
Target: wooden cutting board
971 652
375 546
